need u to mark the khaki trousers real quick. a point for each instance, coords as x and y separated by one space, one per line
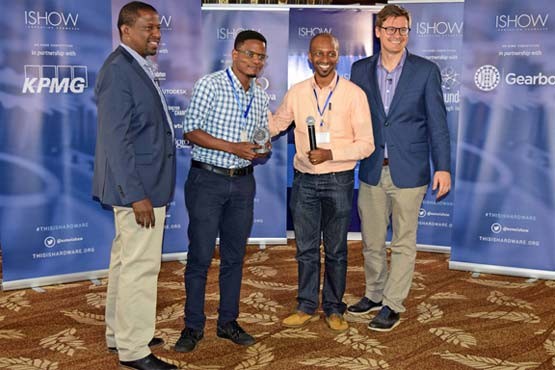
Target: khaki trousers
376 204
132 283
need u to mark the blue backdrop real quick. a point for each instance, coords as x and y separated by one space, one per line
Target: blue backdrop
504 221
179 66
436 34
50 54
354 29
219 28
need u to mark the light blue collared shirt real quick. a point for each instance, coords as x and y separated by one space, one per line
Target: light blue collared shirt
215 110
387 83
145 65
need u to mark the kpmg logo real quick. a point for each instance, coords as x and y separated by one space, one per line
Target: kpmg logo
55 79
440 28
487 77
51 19
522 22
225 33
49 242
313 31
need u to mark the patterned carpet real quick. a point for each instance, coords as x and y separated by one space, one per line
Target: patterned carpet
454 321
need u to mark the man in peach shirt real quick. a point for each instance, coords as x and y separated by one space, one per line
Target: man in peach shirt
322 194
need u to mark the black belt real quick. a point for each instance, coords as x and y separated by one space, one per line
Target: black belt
324 174
223 171
386 162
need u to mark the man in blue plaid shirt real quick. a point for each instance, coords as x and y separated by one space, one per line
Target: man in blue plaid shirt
226 107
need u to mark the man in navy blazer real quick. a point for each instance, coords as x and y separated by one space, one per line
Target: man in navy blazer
409 123
134 172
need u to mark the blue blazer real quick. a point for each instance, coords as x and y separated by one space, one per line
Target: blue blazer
414 128
135 151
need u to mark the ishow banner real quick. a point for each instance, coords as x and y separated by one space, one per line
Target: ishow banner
436 34
504 221
179 66
219 28
50 229
354 29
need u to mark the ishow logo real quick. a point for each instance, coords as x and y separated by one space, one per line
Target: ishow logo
439 28
55 79
521 22
51 19
313 31
166 22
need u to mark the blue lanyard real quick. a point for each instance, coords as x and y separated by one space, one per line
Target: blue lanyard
244 114
326 104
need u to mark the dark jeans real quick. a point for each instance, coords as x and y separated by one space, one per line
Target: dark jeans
216 203
321 205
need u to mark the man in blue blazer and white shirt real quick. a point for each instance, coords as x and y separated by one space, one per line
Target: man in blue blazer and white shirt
134 172
409 123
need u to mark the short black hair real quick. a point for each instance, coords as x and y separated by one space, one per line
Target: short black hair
333 39
248 35
130 12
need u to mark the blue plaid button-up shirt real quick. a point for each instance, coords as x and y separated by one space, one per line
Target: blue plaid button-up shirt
215 110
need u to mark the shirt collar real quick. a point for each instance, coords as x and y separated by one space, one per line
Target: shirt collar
331 86
398 67
142 61
238 83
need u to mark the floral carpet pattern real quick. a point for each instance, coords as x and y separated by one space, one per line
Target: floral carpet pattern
454 320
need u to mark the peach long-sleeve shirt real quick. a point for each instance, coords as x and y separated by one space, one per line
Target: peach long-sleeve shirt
346 118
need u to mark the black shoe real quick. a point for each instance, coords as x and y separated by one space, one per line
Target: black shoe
364 306
385 320
154 342
150 362
188 340
235 333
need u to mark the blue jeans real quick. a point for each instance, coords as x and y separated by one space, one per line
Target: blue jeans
321 205
224 205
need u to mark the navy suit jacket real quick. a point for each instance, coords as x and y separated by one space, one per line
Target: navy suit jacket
135 151
414 128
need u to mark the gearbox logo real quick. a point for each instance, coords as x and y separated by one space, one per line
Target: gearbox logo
487 77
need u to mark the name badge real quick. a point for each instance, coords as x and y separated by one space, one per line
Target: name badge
322 137
244 136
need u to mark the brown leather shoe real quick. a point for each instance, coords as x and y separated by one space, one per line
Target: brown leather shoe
337 323
299 319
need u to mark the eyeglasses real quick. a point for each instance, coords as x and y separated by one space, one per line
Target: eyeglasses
403 31
252 54
320 54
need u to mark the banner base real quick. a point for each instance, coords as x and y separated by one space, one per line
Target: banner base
53 280
433 248
502 270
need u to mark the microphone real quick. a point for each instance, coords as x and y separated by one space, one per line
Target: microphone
389 79
311 132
